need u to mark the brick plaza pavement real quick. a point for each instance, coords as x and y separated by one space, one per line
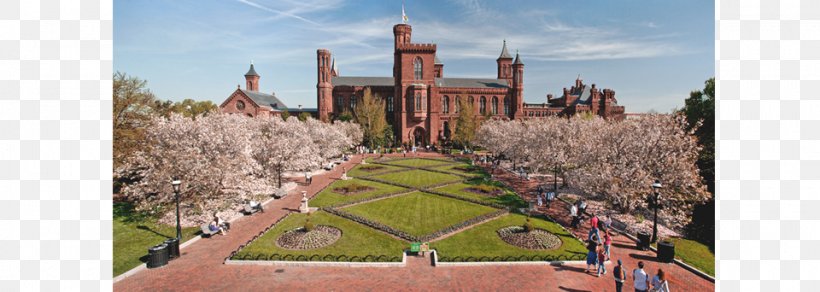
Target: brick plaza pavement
200 268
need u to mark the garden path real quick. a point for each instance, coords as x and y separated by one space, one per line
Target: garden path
201 269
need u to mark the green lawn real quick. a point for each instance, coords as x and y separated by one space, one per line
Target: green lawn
483 240
328 197
509 198
694 254
418 178
419 213
418 162
357 240
375 169
134 233
474 171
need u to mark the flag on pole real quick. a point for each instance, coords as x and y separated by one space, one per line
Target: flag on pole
403 15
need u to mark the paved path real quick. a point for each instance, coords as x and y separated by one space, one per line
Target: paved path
201 269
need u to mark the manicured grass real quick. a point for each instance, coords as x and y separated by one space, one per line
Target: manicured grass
694 254
419 213
135 232
418 178
483 240
474 171
328 197
509 198
418 162
357 240
359 172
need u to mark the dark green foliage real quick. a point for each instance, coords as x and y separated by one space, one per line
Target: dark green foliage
700 107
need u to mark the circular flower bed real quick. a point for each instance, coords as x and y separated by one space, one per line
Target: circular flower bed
299 239
536 239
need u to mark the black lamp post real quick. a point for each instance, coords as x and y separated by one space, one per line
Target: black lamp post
176 184
656 204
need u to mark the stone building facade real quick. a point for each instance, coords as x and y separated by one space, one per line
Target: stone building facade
254 103
422 104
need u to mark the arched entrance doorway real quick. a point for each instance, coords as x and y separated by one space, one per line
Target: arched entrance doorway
418 137
447 132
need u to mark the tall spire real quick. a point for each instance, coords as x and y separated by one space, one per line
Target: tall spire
517 58
251 72
504 53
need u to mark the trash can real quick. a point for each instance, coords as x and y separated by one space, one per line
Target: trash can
173 247
666 252
157 256
643 240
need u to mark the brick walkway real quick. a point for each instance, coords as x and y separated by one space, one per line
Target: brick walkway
200 268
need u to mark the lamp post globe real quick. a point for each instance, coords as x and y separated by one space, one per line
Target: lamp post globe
176 183
656 186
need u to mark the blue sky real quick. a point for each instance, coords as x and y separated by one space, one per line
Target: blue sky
652 53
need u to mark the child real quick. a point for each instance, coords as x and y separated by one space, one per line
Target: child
601 261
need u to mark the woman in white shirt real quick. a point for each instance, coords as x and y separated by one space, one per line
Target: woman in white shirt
659 283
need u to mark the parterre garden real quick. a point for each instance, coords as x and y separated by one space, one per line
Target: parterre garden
389 203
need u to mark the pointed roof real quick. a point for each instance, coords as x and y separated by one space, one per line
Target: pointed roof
517 59
504 53
437 61
333 67
251 72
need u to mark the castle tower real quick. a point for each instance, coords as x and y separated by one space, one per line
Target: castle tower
324 87
518 86
504 63
401 34
251 79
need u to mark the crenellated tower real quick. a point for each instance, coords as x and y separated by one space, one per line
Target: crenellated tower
324 87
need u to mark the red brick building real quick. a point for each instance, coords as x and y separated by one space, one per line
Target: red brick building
252 102
421 103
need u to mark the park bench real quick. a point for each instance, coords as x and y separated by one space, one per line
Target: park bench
618 226
206 232
252 209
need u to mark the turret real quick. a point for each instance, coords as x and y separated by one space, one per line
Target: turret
504 63
438 70
401 34
324 87
518 85
251 79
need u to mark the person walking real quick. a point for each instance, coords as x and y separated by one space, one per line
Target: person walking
539 200
573 212
659 283
607 243
640 278
582 207
601 261
592 254
594 233
620 276
550 197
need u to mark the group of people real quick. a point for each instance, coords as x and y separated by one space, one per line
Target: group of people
543 196
576 211
599 244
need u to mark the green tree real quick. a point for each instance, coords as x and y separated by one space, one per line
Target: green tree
466 124
132 110
285 115
699 110
370 115
303 116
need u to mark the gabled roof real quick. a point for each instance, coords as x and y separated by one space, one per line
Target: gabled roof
362 81
264 99
504 53
471 82
251 72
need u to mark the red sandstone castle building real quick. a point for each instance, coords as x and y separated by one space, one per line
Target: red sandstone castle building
422 104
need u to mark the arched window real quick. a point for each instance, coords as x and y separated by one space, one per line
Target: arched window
390 104
495 105
507 106
418 102
458 103
417 66
483 105
352 102
471 101
445 104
